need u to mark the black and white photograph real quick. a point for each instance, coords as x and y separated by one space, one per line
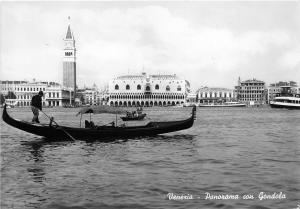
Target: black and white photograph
150 104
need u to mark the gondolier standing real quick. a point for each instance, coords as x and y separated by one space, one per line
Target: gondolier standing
36 105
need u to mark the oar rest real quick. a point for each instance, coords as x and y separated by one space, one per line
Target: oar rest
194 112
51 122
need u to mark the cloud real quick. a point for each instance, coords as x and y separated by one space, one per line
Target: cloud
291 59
151 37
115 41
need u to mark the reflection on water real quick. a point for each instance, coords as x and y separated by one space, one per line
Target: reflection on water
36 150
234 151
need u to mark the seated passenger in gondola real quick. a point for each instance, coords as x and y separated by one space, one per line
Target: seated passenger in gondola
133 113
89 124
92 125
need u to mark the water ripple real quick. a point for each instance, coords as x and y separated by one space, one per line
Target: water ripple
240 151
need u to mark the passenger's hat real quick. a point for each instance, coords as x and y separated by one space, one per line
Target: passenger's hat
41 93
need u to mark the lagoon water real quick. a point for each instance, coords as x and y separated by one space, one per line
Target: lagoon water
238 151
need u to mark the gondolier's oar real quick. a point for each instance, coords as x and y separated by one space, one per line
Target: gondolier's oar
51 119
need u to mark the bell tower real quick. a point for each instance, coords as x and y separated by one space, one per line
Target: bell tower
69 61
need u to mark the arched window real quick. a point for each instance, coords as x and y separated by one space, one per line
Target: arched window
178 88
156 87
116 87
138 87
168 88
147 88
127 87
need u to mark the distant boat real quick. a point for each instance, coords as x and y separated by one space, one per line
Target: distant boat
189 104
290 102
7 106
286 99
179 106
135 115
226 104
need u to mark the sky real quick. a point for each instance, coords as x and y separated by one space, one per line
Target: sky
207 43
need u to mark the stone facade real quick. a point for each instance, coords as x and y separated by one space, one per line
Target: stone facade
147 90
54 94
251 92
208 95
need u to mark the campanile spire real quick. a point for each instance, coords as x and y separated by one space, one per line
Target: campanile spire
69 34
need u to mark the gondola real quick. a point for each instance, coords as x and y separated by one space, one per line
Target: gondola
101 133
135 115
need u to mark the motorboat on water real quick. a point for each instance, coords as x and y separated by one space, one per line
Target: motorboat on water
134 115
286 102
225 104
101 133
286 99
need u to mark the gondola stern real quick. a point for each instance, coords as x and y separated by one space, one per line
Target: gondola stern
194 112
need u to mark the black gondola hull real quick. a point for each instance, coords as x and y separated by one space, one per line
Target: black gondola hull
102 133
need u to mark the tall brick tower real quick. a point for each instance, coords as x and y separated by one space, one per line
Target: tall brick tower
69 61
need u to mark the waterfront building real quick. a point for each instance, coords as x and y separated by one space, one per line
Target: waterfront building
92 96
251 92
69 62
147 90
275 89
57 95
104 96
23 91
208 95
191 98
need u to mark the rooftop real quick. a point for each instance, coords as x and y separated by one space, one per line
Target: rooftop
252 81
214 89
144 76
